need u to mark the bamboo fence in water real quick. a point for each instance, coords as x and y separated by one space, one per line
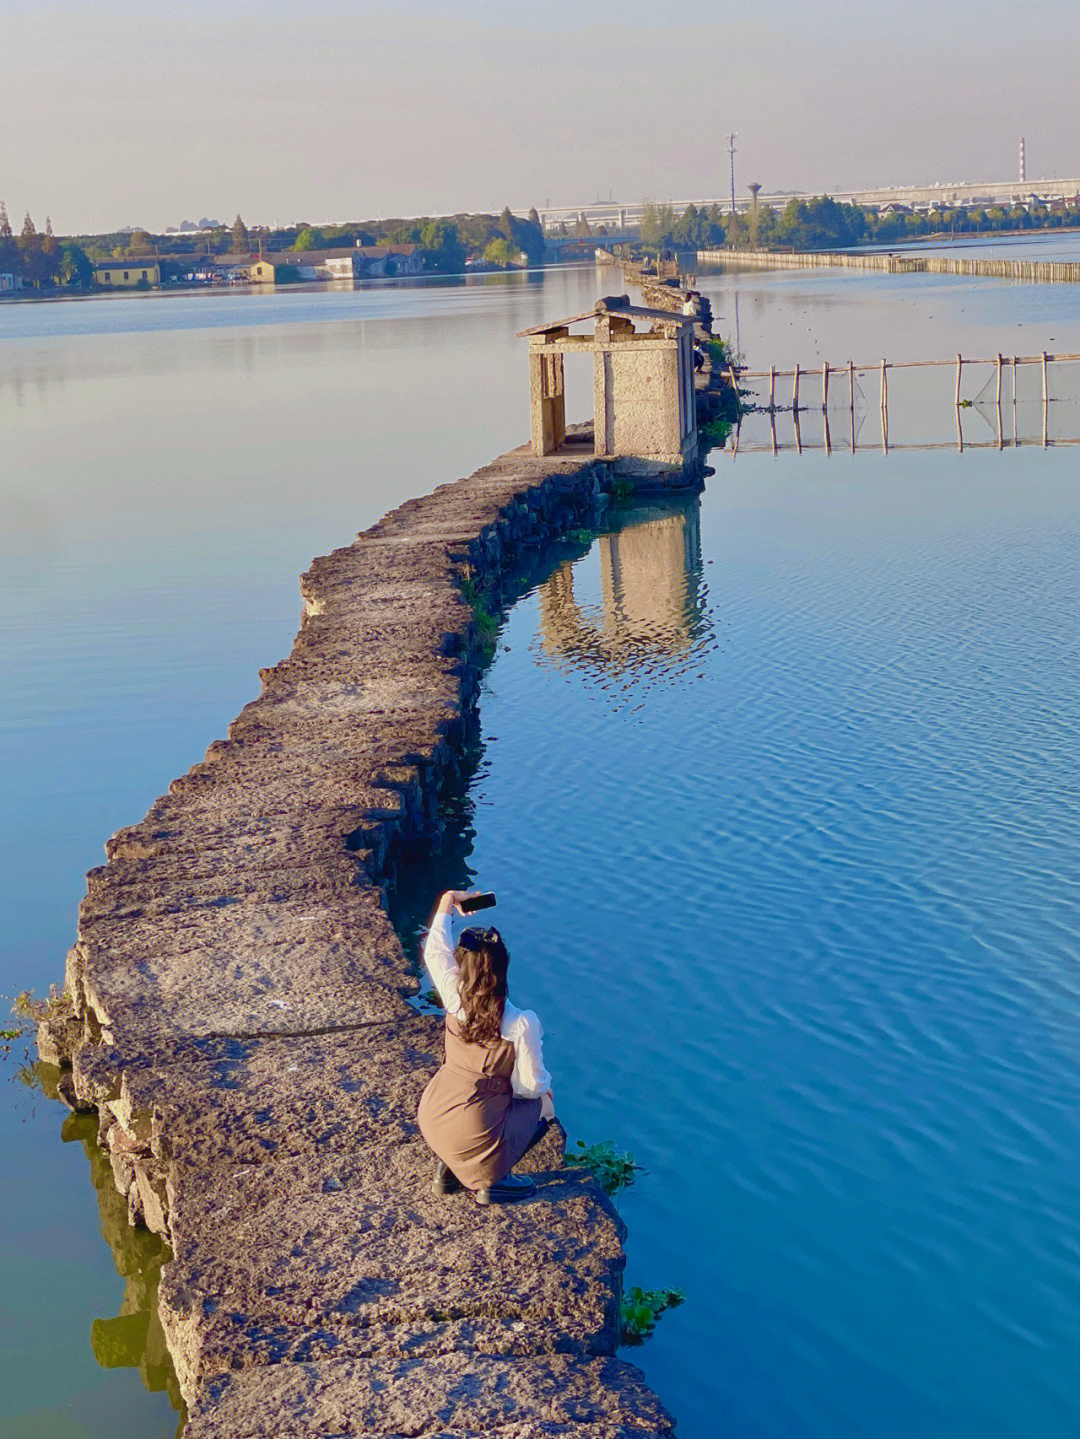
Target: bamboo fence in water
1040 271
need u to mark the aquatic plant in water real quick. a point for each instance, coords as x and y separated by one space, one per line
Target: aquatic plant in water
35 1010
487 623
642 1307
611 1171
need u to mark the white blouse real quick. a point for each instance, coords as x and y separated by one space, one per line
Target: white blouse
519 1026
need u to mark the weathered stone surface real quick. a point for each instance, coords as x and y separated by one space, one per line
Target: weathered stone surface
232 1102
353 1254
217 960
128 885
454 1394
59 1033
285 988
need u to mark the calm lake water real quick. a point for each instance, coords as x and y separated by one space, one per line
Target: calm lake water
778 792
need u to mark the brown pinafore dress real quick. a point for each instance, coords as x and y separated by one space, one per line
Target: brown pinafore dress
469 1114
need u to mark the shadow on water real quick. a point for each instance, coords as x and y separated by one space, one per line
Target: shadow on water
652 622
132 1338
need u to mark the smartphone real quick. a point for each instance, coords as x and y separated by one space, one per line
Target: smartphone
478 901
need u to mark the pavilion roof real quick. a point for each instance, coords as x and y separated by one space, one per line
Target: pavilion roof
610 305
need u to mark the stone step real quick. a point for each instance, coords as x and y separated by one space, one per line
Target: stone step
240 1102
263 971
460 1396
352 1254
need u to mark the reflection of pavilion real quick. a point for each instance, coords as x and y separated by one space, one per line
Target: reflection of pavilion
650 617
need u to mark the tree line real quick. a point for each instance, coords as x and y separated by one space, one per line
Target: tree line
447 241
39 260
497 239
820 223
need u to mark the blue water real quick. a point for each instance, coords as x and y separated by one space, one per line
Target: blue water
795 895
783 846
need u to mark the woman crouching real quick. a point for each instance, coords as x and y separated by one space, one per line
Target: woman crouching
491 1100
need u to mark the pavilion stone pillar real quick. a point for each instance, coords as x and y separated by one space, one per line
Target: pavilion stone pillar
602 436
611 328
547 400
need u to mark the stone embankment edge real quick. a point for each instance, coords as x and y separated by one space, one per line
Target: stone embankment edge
148 1052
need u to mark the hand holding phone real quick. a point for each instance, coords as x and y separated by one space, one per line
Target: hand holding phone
471 903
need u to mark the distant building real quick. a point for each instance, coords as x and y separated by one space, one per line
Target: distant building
127 274
391 259
233 269
9 282
268 268
358 262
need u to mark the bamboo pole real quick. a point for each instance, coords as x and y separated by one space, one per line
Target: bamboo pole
921 364
1062 444
825 387
798 433
959 368
828 437
795 395
772 388
1046 402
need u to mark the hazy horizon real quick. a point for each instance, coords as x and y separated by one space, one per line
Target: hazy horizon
119 115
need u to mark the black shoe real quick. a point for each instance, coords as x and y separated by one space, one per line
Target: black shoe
445 1180
507 1190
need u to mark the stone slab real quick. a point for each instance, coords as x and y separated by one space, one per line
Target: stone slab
239 1102
464 1395
352 1254
259 971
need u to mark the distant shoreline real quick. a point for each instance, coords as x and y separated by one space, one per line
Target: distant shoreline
301 287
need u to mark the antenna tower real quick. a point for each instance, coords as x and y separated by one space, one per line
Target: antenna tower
1023 162
731 153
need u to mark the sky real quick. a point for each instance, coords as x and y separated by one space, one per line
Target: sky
117 114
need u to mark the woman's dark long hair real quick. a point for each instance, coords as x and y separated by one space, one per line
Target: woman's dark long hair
482 959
